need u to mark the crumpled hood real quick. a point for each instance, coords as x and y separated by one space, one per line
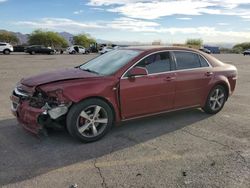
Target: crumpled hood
58 75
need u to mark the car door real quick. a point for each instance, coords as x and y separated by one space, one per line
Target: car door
192 78
151 93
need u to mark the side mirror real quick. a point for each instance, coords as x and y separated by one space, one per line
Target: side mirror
137 71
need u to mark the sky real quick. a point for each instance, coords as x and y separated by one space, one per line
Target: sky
168 21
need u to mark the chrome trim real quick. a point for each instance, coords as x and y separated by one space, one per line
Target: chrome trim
163 112
171 71
20 93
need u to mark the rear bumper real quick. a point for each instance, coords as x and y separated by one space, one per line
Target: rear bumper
27 116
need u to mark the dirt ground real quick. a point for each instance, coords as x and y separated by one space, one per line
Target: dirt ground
180 149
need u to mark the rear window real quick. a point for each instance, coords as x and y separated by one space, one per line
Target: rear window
203 62
187 60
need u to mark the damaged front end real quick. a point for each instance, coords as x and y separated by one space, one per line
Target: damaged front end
37 110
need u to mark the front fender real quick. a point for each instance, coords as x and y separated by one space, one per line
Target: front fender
81 89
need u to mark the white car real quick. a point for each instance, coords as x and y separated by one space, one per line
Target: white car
76 49
6 48
106 49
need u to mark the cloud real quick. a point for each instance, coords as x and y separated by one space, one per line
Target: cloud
112 2
223 24
78 12
184 18
130 24
59 24
137 26
153 9
157 9
1 1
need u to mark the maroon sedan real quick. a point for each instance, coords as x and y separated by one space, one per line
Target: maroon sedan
121 85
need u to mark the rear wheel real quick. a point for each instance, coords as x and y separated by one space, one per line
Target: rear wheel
6 52
33 53
216 100
90 120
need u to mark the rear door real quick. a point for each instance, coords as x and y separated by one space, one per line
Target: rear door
151 93
193 75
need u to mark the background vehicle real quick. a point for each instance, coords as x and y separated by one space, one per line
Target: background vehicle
76 49
6 48
121 85
106 49
19 48
205 50
246 52
39 49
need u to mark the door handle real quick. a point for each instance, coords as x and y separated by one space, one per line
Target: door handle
169 78
209 74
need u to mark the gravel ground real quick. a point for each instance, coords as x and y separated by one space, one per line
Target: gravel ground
181 149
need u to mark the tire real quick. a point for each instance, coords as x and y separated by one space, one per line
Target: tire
51 53
33 53
6 52
73 52
215 100
84 125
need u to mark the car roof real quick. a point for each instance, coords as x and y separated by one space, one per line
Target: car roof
159 48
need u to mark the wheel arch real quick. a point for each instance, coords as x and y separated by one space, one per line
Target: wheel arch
223 84
111 105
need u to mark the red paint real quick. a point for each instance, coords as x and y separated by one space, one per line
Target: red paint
131 97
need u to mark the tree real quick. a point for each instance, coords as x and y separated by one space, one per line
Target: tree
242 46
195 42
83 40
9 37
47 38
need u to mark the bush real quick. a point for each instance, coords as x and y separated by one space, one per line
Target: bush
8 37
47 38
83 40
195 42
242 46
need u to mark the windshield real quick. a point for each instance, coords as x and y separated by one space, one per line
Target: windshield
110 62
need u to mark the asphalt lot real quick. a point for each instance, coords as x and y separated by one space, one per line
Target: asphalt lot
181 149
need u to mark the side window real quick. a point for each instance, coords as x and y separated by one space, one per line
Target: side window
156 63
187 60
203 62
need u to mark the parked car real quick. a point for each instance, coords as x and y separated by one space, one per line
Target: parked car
205 50
106 49
19 48
121 85
39 49
213 49
246 52
6 48
76 49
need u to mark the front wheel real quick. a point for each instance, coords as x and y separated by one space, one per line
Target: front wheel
6 52
90 120
216 100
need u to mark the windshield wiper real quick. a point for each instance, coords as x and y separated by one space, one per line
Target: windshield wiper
88 70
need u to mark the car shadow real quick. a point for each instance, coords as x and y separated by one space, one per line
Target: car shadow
24 156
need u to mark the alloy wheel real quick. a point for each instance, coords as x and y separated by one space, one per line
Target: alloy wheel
92 121
217 99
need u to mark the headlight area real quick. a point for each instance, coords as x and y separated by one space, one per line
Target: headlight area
55 106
